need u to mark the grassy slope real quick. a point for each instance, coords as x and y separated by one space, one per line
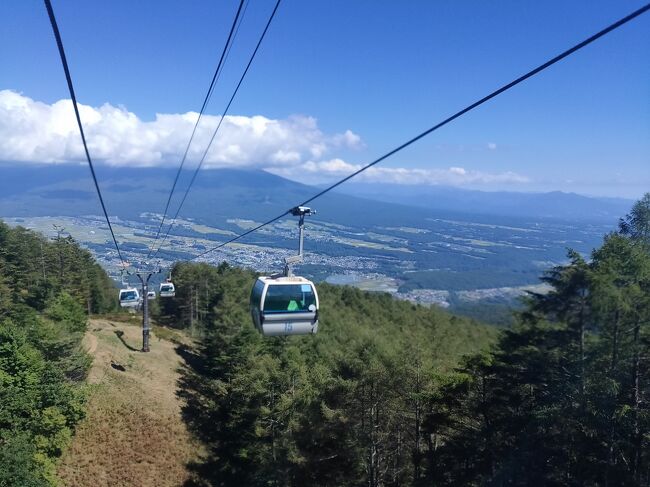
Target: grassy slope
133 433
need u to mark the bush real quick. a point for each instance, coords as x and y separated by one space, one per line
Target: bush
18 465
67 311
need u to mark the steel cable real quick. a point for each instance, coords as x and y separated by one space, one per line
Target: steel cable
453 117
226 49
68 77
214 134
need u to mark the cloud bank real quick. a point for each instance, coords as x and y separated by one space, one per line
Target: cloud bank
453 176
31 131
36 132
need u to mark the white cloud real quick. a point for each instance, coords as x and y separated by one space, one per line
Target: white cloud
31 131
322 171
491 146
348 138
35 132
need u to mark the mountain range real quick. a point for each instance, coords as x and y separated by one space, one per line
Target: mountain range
422 241
554 204
38 190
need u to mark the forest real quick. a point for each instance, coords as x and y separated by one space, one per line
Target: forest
47 288
382 397
387 394
326 410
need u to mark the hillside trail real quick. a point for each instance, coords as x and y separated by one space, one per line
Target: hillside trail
133 434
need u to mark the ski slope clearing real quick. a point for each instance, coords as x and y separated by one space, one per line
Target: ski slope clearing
133 433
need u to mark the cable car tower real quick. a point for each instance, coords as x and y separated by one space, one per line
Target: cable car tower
144 275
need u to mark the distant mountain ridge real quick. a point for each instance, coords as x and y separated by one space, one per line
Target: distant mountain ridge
409 248
554 204
31 190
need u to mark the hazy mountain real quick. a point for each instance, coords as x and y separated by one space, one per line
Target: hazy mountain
413 248
68 190
555 204
216 195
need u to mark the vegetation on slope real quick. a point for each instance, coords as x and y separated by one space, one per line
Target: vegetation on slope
380 398
563 398
46 289
338 408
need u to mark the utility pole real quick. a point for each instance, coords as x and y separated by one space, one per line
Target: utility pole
144 277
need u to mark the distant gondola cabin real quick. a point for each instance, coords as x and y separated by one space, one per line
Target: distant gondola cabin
167 290
129 297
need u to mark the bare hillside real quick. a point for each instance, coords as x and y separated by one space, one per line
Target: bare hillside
133 433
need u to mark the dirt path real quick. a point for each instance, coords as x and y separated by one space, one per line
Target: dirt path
90 343
133 434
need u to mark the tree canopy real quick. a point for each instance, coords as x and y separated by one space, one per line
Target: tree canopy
46 291
389 393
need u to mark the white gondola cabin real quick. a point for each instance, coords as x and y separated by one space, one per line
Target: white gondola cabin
167 290
151 295
129 297
285 305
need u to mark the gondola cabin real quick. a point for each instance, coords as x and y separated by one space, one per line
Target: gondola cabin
129 297
167 290
151 295
284 306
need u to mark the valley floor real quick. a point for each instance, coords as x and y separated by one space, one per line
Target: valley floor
133 433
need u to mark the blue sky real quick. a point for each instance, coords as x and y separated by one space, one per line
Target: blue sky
382 70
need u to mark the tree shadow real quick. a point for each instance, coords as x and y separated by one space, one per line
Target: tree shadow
196 393
120 334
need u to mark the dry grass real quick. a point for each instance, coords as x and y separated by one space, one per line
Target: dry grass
121 317
133 434
175 336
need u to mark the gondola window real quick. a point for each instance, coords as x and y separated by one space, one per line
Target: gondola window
289 298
